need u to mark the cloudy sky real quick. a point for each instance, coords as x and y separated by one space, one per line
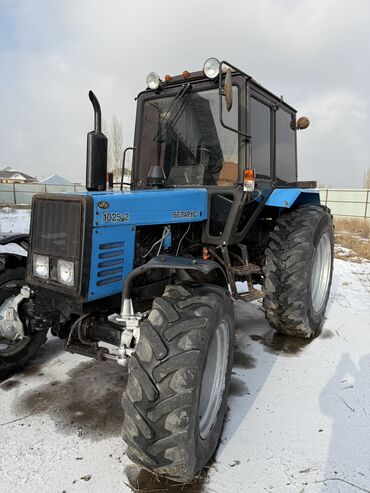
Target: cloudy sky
315 53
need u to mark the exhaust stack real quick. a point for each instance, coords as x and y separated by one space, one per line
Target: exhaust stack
96 154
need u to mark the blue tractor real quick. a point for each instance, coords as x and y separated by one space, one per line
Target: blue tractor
145 273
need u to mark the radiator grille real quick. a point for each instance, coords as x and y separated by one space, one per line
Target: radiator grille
111 263
56 228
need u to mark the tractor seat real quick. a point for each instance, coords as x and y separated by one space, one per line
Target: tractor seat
228 174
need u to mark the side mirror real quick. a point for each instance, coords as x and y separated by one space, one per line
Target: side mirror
301 124
228 90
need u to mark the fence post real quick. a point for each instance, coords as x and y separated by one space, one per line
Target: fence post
326 197
366 203
14 195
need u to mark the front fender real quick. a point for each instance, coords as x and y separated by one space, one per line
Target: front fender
21 239
173 262
11 261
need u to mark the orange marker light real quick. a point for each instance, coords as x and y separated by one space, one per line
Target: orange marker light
249 180
168 78
186 74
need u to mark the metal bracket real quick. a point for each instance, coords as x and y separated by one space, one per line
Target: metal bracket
131 332
11 326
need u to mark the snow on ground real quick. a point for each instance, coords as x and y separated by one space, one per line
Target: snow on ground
14 221
298 420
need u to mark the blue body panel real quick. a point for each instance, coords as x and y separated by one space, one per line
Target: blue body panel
286 197
116 215
112 259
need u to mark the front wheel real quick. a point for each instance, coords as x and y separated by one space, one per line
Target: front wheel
15 353
176 395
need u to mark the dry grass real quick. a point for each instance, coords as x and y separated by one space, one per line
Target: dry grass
354 234
353 225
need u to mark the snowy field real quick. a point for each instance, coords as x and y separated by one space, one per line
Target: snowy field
14 221
298 420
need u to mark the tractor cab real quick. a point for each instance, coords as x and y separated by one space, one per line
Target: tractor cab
217 129
206 128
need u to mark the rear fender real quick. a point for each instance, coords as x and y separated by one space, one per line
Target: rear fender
292 197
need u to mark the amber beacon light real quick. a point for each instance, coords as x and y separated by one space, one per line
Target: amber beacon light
249 180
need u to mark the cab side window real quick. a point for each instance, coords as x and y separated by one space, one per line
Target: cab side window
261 138
285 147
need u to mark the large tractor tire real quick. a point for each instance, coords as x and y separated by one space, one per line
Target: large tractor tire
175 400
14 355
298 271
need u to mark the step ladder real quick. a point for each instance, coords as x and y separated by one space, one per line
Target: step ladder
244 269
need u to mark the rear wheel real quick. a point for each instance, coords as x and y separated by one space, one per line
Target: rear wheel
298 271
15 353
175 400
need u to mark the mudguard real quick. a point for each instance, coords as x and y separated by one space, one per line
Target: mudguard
173 262
11 261
287 197
21 239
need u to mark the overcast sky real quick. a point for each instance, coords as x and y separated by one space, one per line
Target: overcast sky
315 53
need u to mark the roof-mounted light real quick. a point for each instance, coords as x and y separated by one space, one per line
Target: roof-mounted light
211 68
153 81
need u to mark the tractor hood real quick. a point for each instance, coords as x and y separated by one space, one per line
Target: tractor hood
95 232
145 207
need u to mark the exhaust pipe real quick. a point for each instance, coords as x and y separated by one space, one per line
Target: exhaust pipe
96 154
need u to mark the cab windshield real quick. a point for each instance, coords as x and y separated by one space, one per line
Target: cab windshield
183 135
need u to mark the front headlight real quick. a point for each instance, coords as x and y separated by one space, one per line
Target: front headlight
66 272
41 266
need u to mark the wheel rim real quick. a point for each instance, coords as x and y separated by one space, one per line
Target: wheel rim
7 345
321 271
213 381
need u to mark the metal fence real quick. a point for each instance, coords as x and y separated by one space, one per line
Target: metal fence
21 193
342 202
350 202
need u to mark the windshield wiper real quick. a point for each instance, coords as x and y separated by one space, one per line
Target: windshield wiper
174 110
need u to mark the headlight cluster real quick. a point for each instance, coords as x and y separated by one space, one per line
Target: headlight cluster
63 271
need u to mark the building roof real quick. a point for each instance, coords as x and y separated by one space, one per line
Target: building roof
56 180
9 173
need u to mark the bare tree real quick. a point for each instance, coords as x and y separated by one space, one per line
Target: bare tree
366 182
106 132
115 147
